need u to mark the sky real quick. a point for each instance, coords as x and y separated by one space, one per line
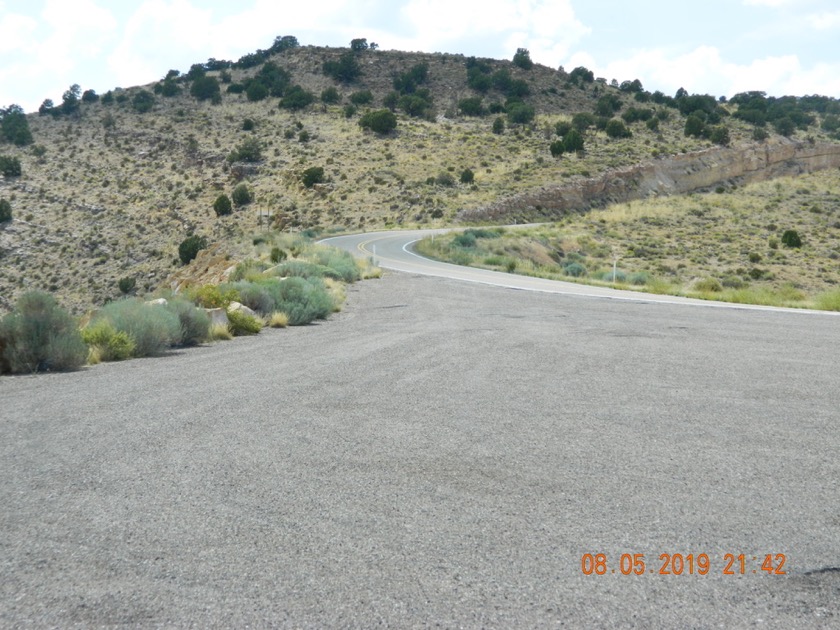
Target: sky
718 47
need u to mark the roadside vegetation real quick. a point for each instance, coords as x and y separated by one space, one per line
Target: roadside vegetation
289 281
774 243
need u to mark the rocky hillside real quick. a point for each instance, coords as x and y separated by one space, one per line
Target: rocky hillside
111 187
716 168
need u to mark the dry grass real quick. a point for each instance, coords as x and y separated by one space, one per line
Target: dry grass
220 332
278 320
712 246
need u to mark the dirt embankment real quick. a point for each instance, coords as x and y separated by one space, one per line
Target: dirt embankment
689 172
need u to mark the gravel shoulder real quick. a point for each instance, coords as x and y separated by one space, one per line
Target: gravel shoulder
439 453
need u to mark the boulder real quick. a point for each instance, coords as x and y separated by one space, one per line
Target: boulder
218 316
236 306
157 302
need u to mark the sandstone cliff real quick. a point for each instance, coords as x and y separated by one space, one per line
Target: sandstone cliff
689 172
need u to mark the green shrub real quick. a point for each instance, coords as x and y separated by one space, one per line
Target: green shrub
278 255
190 246
639 278
143 101
152 327
195 322
222 206
791 238
575 269
573 141
472 106
467 176
10 166
14 126
302 300
620 276
465 239
248 125
363 97
250 150
5 211
38 335
341 263
296 98
302 269
499 126
557 148
312 176
484 233
240 323
248 268
111 344
520 113
211 296
127 284
708 285
330 96
616 129
562 128
444 179
241 196
522 59
256 295
206 88
346 69
381 121
734 282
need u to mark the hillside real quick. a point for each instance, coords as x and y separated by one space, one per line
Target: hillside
110 190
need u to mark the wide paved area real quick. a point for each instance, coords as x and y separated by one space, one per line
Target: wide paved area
438 454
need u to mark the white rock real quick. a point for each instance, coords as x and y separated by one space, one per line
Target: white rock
236 306
218 316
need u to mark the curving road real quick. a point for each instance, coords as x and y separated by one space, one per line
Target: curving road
393 250
439 454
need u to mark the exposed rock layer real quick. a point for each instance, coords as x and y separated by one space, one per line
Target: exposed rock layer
689 172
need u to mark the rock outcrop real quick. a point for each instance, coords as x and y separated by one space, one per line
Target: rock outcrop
689 172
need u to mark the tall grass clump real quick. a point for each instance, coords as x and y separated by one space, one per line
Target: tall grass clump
195 322
828 301
39 336
153 328
278 319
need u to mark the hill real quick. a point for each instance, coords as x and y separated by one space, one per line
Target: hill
113 183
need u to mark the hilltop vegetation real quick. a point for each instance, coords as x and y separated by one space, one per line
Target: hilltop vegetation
105 188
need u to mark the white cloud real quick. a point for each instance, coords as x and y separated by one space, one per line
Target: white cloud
824 21
74 35
156 36
16 32
547 28
704 70
768 3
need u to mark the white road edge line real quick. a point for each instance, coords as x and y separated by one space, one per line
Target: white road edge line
640 299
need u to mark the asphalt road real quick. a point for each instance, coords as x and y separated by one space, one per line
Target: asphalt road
395 250
440 453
